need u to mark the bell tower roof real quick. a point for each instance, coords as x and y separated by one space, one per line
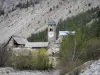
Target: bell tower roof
51 22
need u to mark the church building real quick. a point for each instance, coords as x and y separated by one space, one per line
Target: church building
20 42
51 32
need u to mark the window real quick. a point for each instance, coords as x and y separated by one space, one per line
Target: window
51 29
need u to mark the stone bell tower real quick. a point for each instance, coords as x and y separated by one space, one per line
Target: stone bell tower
51 32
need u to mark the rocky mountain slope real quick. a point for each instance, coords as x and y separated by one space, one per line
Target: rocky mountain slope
93 69
24 21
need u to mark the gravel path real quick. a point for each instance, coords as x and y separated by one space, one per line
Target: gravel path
10 71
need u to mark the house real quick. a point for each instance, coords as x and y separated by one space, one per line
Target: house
64 33
20 42
16 41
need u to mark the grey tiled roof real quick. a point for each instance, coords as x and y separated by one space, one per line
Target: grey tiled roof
36 44
51 22
23 41
20 40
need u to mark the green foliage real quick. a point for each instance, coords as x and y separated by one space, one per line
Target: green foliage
92 50
78 21
94 30
71 47
22 62
76 50
35 60
98 13
84 45
41 36
42 60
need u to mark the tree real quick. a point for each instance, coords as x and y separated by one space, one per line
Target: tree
42 59
4 55
70 50
37 60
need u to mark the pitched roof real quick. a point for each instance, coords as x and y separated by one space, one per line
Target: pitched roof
64 33
36 44
20 40
51 22
23 41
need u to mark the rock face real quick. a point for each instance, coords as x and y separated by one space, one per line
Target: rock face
88 68
93 69
24 21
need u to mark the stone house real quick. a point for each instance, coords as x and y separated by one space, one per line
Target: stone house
20 42
16 41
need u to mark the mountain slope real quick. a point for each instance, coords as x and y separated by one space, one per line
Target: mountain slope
29 20
92 69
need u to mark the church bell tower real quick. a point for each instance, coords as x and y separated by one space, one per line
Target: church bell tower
51 32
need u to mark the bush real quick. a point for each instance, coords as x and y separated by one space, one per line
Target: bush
89 4
35 60
23 5
57 6
42 60
50 9
27 4
69 11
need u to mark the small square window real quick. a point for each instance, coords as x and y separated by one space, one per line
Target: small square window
51 29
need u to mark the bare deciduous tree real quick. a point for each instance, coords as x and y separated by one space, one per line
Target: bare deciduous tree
3 55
